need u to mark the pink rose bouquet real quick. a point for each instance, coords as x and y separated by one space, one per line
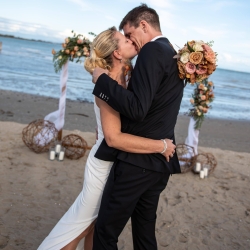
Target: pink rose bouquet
198 61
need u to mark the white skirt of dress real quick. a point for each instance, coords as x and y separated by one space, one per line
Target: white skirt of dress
85 208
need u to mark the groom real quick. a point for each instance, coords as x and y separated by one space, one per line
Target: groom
148 108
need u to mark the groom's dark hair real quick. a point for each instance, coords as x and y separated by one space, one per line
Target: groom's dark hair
142 12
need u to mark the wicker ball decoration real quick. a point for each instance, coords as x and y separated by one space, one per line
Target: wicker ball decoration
75 146
39 135
187 163
208 160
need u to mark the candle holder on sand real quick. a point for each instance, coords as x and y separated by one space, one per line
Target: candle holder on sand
208 161
39 135
186 157
75 146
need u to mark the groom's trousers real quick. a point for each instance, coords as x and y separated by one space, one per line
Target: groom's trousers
134 192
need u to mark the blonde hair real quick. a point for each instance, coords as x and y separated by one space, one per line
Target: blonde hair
101 51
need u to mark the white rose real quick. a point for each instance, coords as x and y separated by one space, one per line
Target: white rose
184 57
205 89
199 41
59 57
197 47
78 53
62 50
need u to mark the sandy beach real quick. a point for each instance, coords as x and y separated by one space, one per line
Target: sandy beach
192 214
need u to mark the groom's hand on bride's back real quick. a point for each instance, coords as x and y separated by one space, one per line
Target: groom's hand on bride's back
97 72
169 153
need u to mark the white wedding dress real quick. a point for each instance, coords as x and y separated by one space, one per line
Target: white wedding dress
86 206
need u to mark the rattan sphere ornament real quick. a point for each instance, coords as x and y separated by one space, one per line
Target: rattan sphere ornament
75 146
40 135
207 160
186 157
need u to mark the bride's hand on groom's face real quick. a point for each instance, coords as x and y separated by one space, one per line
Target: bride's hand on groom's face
97 72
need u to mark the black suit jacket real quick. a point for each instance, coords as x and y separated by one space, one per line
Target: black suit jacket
150 105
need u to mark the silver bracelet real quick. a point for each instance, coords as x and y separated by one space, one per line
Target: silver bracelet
165 146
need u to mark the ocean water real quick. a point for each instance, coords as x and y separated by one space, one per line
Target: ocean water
26 66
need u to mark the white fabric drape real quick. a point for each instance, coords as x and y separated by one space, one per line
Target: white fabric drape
192 139
57 117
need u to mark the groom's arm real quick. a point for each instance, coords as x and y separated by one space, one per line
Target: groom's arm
146 78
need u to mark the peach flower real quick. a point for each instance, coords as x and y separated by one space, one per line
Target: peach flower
205 110
67 51
192 78
53 52
64 45
195 57
76 48
181 68
191 43
182 76
206 47
203 98
192 101
85 49
66 40
201 70
190 68
79 41
209 54
201 77
201 86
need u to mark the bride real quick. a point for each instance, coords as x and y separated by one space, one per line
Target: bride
111 51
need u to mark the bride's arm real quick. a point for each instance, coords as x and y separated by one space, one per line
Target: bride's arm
111 125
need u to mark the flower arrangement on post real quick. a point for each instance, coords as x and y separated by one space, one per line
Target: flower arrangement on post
196 61
73 48
202 97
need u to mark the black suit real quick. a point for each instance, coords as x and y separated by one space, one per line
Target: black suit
149 108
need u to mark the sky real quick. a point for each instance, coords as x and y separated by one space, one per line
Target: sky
226 22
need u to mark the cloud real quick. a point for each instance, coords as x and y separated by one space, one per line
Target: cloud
67 32
233 61
81 3
161 3
13 26
225 56
210 33
37 31
110 18
218 5
167 19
